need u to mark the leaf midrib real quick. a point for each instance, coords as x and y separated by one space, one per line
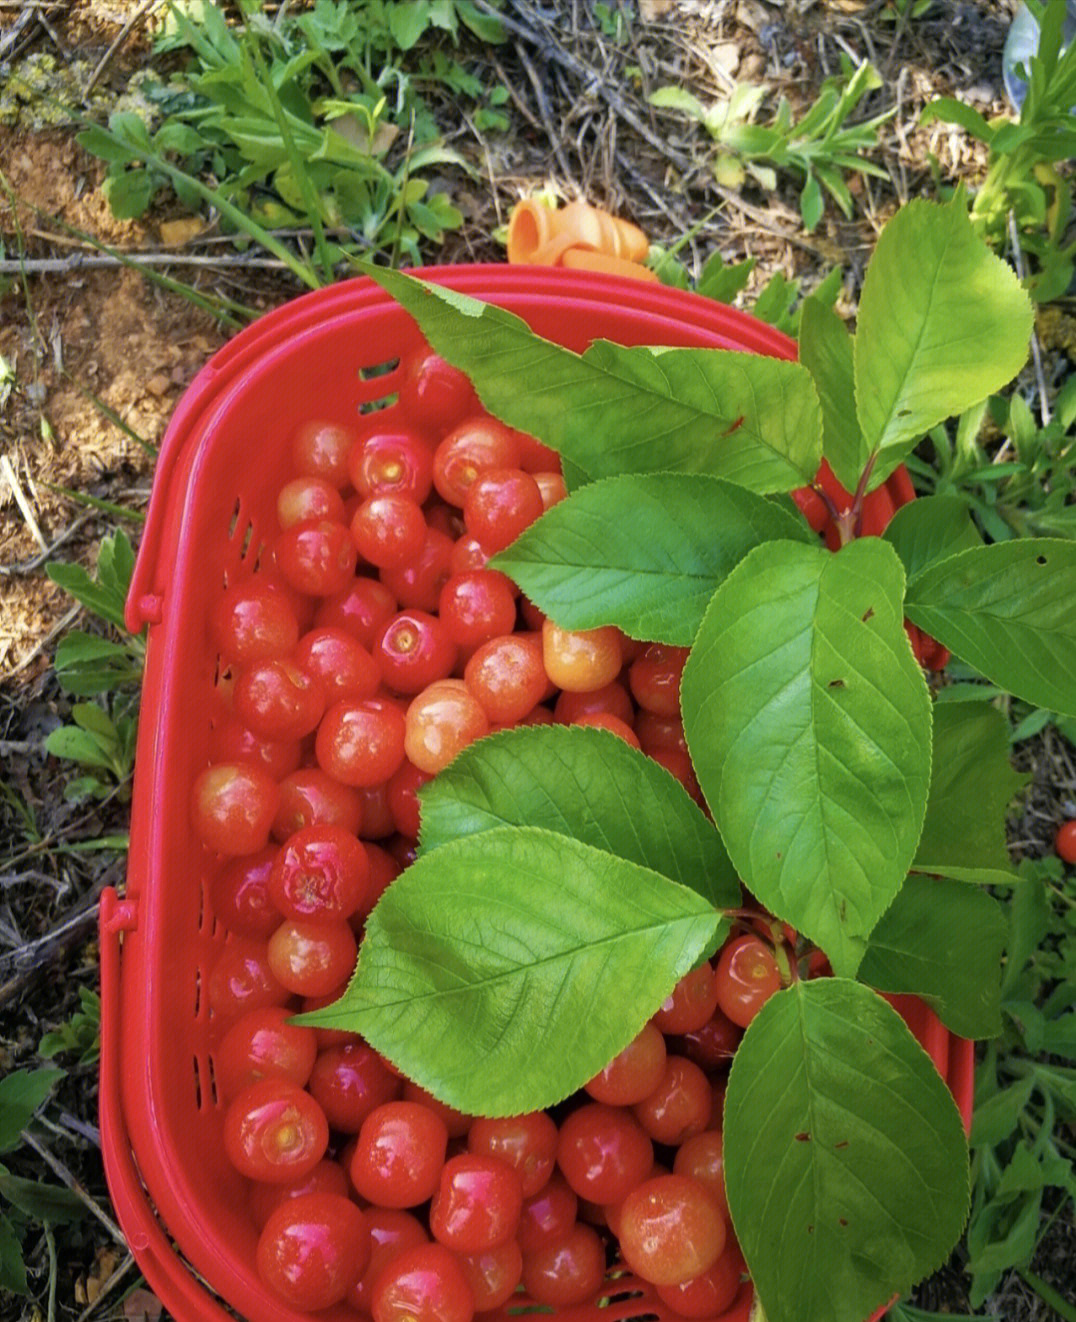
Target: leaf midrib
490 980
912 360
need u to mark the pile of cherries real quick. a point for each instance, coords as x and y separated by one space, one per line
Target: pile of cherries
369 647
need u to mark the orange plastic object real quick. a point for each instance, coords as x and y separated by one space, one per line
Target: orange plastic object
576 236
334 353
584 259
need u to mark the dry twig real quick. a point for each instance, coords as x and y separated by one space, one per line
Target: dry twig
7 471
121 37
60 1170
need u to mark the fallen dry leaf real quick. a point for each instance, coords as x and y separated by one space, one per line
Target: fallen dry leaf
142 1306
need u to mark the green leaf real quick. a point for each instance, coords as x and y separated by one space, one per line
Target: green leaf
76 649
1030 919
951 111
130 193
942 324
104 147
115 565
494 970
943 941
91 718
21 1093
610 553
87 665
903 1312
589 785
486 27
12 1267
611 410
1007 610
995 1119
99 597
678 98
826 352
812 203
721 282
775 300
408 22
845 1160
972 783
1028 1172
930 529
42 1202
1006 1237
77 746
808 722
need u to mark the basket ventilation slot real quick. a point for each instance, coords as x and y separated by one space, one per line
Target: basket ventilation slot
205 911
211 1070
376 405
375 370
233 523
371 373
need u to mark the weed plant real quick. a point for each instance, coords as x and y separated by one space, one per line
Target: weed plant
25 1204
1018 484
818 149
1027 186
312 118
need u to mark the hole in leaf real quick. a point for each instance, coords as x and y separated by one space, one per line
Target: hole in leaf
1040 559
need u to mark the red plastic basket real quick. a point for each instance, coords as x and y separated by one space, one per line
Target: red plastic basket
223 460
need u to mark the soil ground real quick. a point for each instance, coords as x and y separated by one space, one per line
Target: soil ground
87 344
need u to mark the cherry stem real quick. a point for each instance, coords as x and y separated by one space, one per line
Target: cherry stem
786 967
748 920
850 523
827 500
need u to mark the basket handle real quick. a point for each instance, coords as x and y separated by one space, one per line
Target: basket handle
168 1276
